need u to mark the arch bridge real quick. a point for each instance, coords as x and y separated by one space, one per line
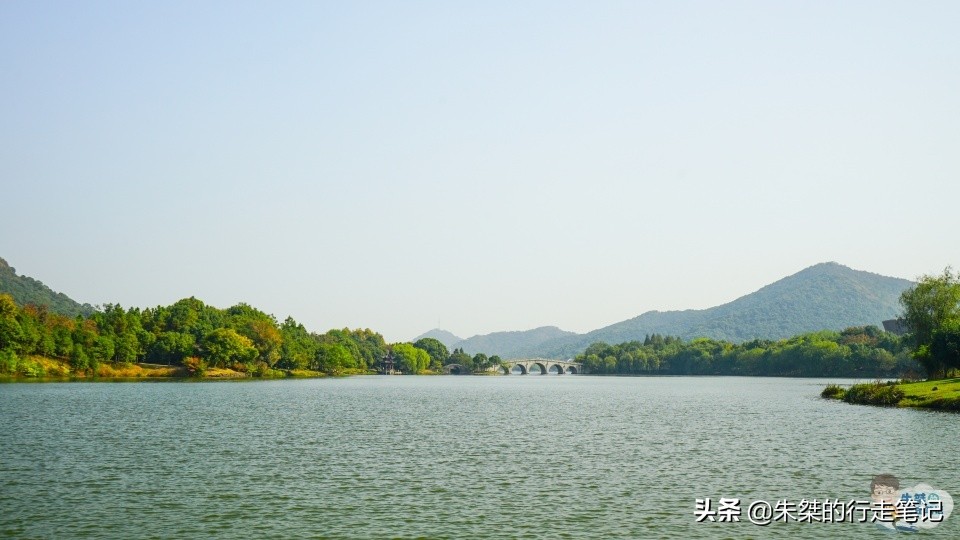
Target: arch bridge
546 366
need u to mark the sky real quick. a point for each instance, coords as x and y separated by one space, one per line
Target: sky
477 166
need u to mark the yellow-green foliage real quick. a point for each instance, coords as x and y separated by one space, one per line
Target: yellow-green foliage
269 373
52 367
136 371
943 394
356 371
304 373
41 366
34 366
224 373
31 366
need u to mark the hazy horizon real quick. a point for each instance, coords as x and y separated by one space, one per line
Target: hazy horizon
428 330
473 167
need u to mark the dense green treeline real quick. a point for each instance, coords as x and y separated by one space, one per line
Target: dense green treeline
244 339
195 336
855 352
931 311
440 356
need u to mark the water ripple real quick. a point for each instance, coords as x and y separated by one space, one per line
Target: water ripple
445 457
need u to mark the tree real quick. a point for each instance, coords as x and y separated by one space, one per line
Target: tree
370 346
410 359
260 328
480 362
265 338
345 339
946 345
333 358
171 348
78 358
192 316
103 349
10 332
932 306
298 348
127 348
224 346
438 351
460 358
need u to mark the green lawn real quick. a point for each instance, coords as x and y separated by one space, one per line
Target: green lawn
938 394
942 394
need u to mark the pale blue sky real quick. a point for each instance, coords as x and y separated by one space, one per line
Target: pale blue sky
482 166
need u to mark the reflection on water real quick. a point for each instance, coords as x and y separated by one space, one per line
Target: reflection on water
447 457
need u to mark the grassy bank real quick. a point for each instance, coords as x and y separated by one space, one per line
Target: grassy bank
42 368
942 394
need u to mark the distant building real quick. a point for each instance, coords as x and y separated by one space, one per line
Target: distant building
387 365
895 326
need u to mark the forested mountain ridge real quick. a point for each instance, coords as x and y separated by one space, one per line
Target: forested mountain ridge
26 290
826 296
510 344
447 338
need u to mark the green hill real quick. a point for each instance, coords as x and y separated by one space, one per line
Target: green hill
512 344
26 290
827 296
447 338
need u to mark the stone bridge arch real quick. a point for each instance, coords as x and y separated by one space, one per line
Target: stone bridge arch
453 369
525 366
560 369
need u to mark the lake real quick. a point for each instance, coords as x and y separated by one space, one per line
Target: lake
448 457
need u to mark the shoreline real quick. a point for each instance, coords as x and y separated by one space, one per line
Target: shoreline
933 395
45 369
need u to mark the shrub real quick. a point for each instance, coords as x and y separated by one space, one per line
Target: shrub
195 366
30 368
833 391
305 373
8 361
261 369
876 393
58 370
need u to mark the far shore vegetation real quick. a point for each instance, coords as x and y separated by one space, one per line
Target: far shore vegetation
859 352
940 394
192 339
931 313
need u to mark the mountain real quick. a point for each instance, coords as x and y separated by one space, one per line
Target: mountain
442 336
826 296
511 344
26 290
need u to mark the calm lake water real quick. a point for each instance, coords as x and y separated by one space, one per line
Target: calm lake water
448 457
